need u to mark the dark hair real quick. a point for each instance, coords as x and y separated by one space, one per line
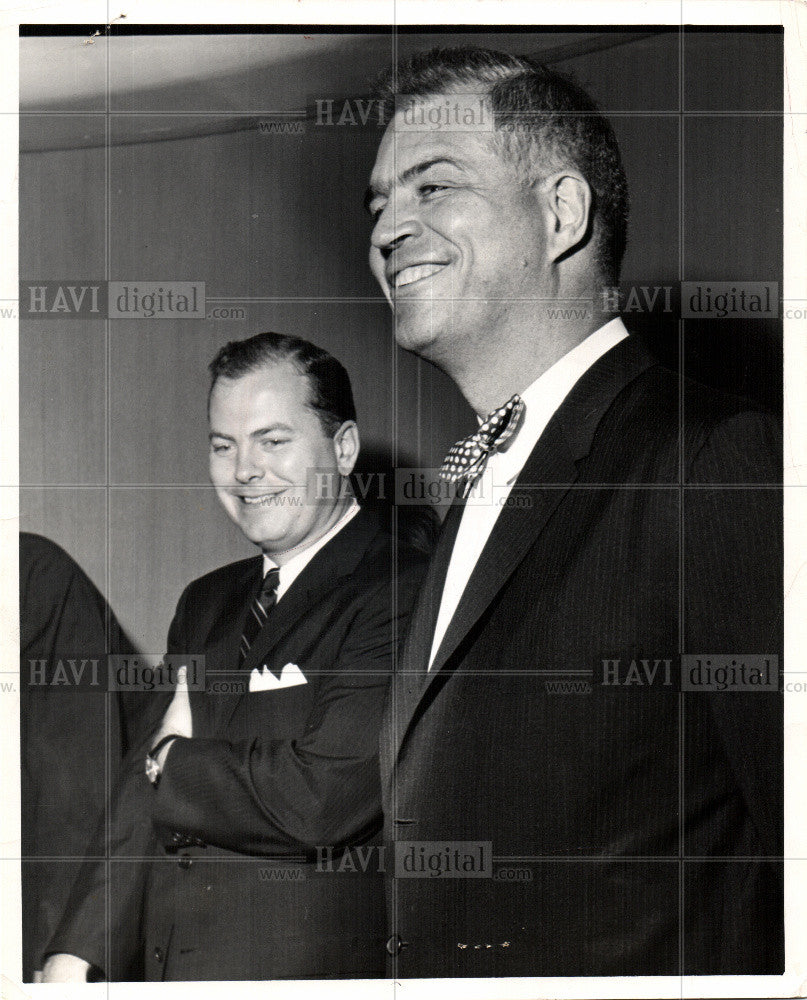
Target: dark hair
331 396
542 120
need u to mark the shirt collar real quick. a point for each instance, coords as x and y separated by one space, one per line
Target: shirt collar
543 398
293 568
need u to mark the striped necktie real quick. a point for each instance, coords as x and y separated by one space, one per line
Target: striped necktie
259 609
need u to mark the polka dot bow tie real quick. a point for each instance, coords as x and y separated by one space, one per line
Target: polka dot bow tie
467 458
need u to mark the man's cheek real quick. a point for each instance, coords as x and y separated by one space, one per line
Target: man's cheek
231 507
220 471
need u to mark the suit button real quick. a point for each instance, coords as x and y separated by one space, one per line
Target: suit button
185 863
158 954
395 945
177 838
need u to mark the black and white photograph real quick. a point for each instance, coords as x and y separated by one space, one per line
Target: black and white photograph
404 464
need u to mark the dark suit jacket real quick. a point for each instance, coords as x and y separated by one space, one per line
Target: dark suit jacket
633 532
72 736
235 890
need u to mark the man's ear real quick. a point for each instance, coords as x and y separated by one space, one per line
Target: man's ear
346 447
567 202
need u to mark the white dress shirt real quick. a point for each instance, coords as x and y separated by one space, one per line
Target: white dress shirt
293 568
490 492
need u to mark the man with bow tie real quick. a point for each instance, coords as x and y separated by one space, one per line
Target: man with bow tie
610 516
243 788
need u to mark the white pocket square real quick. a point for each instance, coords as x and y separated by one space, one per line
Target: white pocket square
265 680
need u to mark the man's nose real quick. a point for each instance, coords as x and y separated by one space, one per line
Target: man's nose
398 221
247 469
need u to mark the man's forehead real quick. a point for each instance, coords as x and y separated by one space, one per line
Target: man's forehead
403 149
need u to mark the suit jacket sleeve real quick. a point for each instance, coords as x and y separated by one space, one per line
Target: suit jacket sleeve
102 920
266 796
733 597
65 732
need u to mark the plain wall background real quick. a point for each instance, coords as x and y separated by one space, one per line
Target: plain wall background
113 431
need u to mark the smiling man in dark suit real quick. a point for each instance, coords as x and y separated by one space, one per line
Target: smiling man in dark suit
246 792
620 517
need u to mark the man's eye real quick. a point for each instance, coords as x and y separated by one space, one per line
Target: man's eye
428 189
220 449
375 209
273 442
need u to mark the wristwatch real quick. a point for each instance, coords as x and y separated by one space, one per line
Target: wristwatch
153 769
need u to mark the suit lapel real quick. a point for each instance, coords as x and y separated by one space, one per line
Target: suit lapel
543 482
410 671
223 642
549 472
515 531
337 560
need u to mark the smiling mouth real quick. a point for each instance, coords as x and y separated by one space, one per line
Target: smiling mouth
410 275
264 499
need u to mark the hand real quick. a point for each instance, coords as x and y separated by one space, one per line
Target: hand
177 719
65 969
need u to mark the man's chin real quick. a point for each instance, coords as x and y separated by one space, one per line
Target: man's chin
415 333
265 535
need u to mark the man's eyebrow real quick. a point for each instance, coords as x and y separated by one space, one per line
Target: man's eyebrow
381 191
272 428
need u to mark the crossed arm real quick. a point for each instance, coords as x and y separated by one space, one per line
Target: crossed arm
256 796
